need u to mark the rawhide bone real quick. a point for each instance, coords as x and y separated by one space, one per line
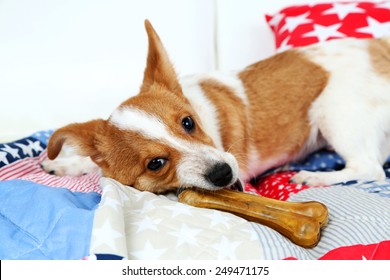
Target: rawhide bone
301 222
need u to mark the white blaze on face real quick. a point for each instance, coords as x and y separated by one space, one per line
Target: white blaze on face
147 124
196 158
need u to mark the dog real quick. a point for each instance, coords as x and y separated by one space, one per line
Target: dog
218 130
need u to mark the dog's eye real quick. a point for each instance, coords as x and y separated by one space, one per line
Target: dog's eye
188 124
156 164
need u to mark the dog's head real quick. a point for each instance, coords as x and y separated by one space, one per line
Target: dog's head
153 141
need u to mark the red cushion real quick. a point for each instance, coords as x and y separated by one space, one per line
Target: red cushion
303 25
276 186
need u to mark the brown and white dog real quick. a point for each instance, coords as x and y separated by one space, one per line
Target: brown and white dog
210 131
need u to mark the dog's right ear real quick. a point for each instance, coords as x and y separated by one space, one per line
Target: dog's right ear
159 69
81 136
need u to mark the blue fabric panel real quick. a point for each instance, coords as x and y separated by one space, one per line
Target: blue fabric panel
39 222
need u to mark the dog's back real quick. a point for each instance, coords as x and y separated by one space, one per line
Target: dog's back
277 112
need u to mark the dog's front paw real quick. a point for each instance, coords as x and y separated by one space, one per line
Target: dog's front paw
69 166
309 178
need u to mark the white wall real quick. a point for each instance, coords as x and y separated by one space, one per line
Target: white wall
64 61
74 60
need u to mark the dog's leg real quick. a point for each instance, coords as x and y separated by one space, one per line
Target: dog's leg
349 173
361 164
358 133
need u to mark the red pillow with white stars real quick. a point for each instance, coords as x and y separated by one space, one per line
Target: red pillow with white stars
304 25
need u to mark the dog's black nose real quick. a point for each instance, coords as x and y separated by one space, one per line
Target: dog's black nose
220 174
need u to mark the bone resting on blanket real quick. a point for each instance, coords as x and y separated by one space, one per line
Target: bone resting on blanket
301 222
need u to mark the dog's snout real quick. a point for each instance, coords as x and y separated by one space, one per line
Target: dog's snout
220 174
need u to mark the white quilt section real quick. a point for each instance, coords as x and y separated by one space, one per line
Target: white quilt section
142 225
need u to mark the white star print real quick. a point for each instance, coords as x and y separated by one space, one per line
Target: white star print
123 196
343 9
323 33
14 152
3 157
250 233
105 235
226 248
217 217
110 202
276 19
284 46
148 252
376 28
186 235
147 206
106 187
36 146
384 5
147 223
293 22
179 209
28 149
143 195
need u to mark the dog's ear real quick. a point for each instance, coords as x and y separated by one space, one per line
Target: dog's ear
81 136
159 69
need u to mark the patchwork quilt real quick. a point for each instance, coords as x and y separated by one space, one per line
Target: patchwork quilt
43 216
